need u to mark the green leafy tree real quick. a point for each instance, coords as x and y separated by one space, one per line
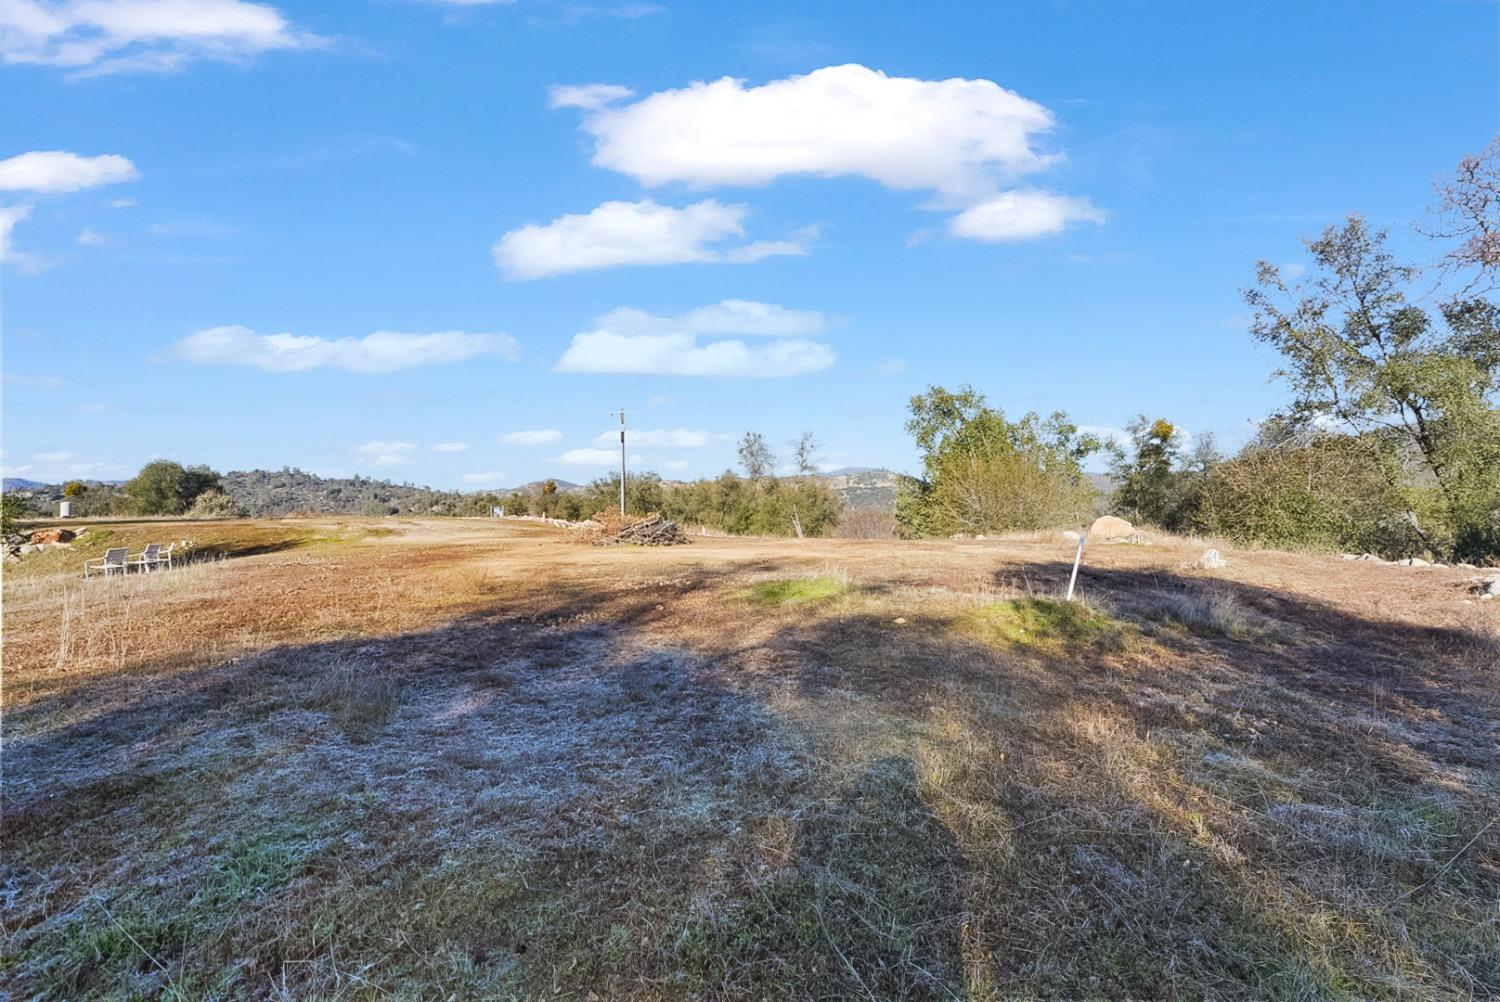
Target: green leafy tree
73 488
11 510
756 458
1414 389
167 488
643 493
1147 478
983 473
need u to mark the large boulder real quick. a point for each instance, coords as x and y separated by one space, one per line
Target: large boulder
52 536
1109 528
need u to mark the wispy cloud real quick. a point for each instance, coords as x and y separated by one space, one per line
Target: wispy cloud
382 351
675 438
596 457
539 436
632 341
55 171
637 233
44 381
93 37
386 453
449 447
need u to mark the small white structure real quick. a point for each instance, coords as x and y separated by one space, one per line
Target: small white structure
64 509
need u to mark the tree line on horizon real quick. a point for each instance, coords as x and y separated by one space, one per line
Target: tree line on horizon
1390 443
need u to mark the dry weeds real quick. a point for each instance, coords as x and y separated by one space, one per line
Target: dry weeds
469 761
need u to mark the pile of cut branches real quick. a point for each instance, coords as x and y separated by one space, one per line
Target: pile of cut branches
652 529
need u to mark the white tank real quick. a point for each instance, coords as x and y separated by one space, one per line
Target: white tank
65 509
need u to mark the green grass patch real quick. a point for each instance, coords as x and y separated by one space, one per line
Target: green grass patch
1043 621
797 591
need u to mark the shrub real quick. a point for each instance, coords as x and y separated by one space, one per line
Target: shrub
985 474
214 504
866 523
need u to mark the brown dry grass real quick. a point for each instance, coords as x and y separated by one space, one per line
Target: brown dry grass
471 761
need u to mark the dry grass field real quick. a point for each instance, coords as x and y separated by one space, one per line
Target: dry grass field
377 759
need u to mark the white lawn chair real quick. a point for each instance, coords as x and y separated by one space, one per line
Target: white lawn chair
113 562
153 556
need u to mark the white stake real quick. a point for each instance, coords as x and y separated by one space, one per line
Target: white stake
622 463
1077 559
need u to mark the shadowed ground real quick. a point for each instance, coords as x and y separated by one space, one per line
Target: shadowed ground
472 762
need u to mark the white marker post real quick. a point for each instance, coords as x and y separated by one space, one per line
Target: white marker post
1077 559
622 464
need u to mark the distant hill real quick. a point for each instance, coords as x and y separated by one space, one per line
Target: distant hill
286 491
863 486
282 492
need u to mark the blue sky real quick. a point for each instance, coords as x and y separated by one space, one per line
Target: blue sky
439 242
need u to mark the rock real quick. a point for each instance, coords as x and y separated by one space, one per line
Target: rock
25 548
1109 527
1348 556
1371 557
980 536
1413 562
1071 535
53 536
1211 558
1467 567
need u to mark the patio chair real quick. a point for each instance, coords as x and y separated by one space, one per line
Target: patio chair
154 556
113 562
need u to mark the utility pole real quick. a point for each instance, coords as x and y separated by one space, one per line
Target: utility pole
622 462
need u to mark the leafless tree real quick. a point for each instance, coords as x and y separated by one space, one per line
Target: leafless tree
1468 211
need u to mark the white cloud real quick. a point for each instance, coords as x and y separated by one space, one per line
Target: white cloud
120 203
493 478
10 215
954 137
675 438
540 436
449 447
1118 436
590 97
382 351
892 366
634 233
92 37
590 457
46 381
1022 215
91 237
52 171
675 465
628 340
385 453
965 141
52 457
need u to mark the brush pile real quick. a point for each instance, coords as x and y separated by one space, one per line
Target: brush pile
644 530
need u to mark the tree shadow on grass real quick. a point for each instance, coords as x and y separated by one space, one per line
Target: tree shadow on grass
549 800
517 801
